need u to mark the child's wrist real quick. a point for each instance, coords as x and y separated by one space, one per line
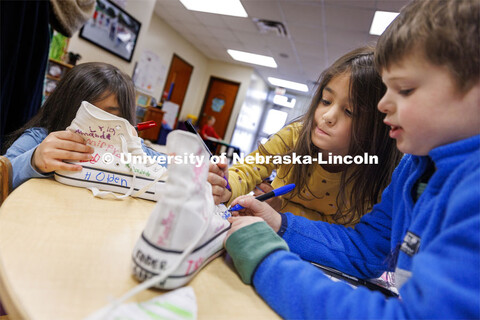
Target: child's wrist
249 245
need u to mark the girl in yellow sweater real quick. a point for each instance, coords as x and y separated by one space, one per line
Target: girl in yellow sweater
341 125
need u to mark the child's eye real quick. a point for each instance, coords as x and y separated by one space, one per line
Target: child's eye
325 102
405 92
349 112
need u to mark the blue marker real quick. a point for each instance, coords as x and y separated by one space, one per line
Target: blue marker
274 193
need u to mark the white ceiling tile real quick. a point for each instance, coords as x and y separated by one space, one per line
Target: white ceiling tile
232 44
303 13
241 24
210 19
306 34
278 42
263 9
181 14
197 29
170 3
364 4
311 50
252 39
221 33
391 5
345 18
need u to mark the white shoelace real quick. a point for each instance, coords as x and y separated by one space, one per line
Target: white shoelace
103 312
135 150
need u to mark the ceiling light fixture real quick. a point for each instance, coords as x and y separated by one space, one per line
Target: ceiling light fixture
226 7
253 58
288 84
381 20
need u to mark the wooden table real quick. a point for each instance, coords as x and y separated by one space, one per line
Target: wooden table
65 254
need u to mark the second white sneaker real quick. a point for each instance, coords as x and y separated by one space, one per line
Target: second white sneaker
186 230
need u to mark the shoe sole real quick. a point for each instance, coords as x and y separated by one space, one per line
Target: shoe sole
149 260
106 180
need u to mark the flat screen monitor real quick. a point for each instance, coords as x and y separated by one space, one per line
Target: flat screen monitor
112 29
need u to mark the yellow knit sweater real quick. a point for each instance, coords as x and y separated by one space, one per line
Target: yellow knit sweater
323 184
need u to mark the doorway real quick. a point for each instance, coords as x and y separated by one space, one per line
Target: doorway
218 102
176 85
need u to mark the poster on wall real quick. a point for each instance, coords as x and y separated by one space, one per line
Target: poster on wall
112 29
149 72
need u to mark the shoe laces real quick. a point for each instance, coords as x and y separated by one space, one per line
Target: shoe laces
210 210
135 149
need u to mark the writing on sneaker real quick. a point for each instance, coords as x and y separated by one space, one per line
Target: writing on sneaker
185 230
110 136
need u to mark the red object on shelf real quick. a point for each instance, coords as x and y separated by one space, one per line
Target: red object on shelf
146 125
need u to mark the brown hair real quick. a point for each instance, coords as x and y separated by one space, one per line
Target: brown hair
446 32
91 82
369 134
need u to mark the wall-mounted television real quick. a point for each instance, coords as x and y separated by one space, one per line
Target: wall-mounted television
112 29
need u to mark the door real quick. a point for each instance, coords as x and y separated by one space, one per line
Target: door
177 82
218 102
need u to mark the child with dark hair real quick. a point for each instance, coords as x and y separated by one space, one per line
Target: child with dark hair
426 227
38 149
342 120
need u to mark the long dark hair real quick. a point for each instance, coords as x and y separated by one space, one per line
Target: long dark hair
91 82
368 134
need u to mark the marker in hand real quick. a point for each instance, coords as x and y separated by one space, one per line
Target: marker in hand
274 193
191 129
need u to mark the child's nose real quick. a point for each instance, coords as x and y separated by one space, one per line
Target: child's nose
329 117
385 105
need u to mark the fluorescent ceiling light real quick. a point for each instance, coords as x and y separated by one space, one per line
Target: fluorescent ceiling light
288 84
252 58
381 21
226 7
284 101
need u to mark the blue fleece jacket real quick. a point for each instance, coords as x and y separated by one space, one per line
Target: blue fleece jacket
433 246
21 151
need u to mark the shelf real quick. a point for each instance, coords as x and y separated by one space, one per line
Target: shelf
52 77
61 63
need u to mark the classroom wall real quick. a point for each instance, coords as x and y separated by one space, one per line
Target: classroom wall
159 37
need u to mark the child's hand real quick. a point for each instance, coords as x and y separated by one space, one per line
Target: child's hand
59 146
264 187
253 207
216 174
238 223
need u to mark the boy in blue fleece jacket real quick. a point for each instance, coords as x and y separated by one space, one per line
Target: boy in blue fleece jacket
426 228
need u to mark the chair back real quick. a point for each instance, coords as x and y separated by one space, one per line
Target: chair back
5 178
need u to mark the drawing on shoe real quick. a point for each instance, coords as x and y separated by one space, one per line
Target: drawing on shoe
106 173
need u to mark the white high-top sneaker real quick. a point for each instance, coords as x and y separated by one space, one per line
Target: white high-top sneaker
112 137
185 230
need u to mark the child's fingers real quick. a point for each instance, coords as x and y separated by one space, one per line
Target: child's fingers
217 169
70 155
67 140
250 203
69 135
237 199
60 165
216 180
74 146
